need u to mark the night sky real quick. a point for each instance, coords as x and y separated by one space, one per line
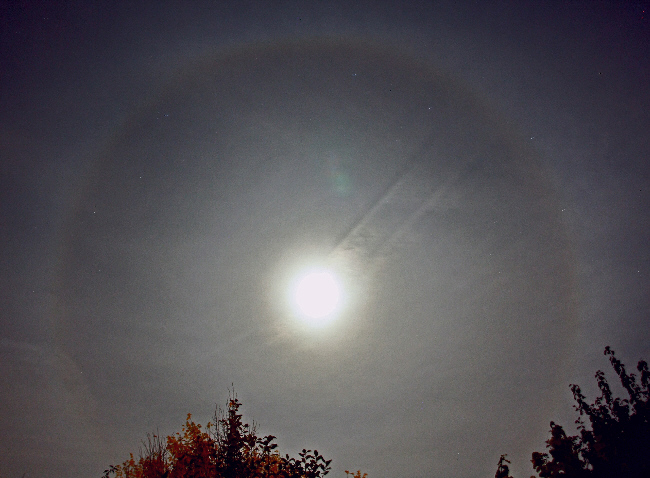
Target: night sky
475 174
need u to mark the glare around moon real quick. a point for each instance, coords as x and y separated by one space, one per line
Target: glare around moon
317 295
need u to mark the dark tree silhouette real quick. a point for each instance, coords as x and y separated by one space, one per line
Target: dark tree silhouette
616 440
228 449
502 468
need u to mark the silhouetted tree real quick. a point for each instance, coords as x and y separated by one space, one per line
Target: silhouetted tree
502 468
229 448
615 442
358 474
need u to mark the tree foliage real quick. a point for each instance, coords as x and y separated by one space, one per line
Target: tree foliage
226 448
613 437
503 471
356 474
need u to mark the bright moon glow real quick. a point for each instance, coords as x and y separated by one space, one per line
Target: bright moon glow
317 295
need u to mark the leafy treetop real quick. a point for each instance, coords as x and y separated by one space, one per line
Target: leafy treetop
615 442
229 448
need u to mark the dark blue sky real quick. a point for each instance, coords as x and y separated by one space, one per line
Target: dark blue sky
477 171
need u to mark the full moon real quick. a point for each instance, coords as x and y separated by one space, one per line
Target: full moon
317 295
